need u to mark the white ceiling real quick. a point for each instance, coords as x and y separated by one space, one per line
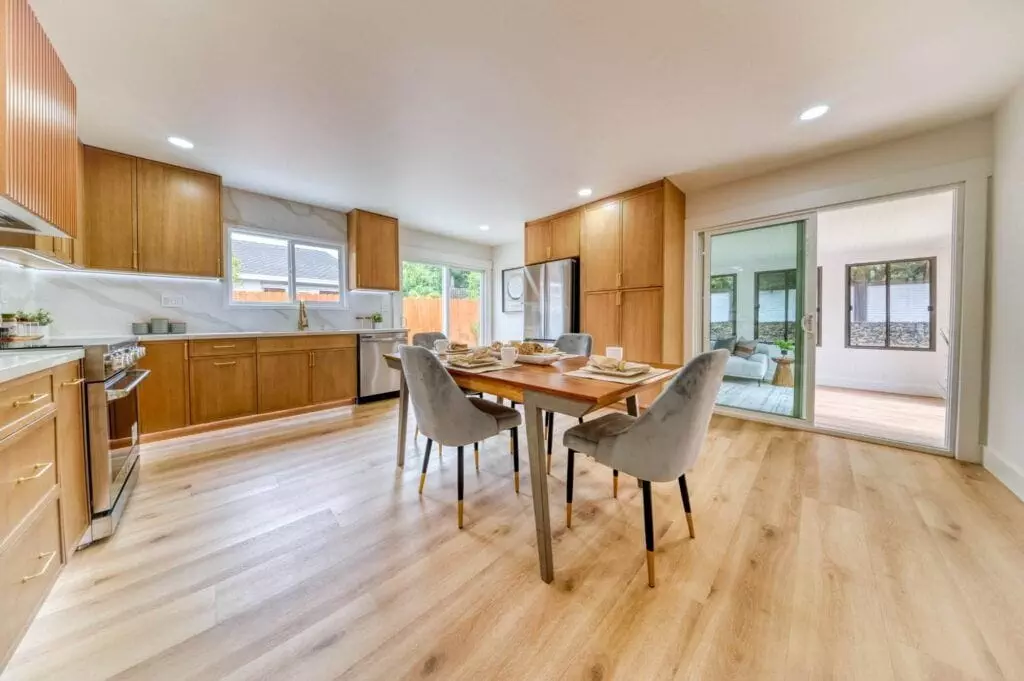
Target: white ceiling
456 113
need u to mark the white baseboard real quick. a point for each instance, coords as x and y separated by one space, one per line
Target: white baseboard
878 386
1005 471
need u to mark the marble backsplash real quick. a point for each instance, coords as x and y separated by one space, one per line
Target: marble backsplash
90 303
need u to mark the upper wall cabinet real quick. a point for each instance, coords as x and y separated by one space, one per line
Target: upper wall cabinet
553 238
38 127
373 252
150 217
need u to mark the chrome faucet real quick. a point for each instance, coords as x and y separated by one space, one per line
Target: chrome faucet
303 318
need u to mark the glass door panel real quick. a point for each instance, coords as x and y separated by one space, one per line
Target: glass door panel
465 305
422 301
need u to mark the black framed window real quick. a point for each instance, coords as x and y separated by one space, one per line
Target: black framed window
775 305
723 306
891 304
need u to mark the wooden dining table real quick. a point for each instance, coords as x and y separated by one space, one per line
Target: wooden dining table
538 389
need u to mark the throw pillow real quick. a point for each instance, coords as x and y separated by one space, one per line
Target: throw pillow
725 344
745 348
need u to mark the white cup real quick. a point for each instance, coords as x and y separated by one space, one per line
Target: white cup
509 355
441 346
614 352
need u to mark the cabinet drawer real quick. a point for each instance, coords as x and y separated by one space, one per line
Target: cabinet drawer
293 343
22 399
28 470
28 569
222 346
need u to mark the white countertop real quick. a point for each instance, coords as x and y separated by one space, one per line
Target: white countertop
150 337
17 363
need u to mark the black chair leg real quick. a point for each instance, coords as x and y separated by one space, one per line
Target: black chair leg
551 434
568 487
515 458
649 531
476 455
460 487
615 484
686 503
426 459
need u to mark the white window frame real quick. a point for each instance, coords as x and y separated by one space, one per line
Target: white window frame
446 267
293 241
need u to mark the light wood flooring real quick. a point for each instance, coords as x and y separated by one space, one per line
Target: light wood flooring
903 418
293 550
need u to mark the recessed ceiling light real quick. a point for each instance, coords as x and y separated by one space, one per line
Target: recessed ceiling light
484 228
180 142
586 191
814 112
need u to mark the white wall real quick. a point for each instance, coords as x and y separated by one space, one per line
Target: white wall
918 227
1004 454
507 326
90 303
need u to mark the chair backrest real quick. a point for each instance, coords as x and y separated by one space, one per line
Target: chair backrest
576 343
425 339
443 412
666 440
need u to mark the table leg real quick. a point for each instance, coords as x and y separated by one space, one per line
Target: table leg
403 419
539 486
632 406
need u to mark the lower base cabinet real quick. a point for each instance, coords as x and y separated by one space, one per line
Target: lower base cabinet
222 387
284 381
163 396
334 375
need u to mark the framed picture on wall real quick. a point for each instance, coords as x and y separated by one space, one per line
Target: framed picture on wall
513 286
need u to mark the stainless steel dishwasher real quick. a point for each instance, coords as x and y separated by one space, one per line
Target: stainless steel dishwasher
376 380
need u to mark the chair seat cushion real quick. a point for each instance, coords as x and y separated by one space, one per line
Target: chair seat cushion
586 436
507 417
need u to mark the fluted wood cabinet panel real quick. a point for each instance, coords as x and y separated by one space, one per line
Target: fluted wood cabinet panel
38 130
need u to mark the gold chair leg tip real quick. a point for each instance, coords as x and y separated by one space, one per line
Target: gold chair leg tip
460 515
650 569
568 515
423 481
689 523
516 479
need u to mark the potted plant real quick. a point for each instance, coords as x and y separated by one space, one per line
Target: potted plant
377 318
8 325
43 319
785 346
24 327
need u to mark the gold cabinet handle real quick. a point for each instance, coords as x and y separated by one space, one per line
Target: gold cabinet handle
618 298
223 347
49 561
41 468
224 364
32 399
312 359
618 280
77 381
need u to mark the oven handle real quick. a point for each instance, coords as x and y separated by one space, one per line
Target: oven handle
119 393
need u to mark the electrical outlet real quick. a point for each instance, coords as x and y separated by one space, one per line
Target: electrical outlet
172 301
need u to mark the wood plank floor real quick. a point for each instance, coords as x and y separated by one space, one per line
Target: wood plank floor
904 418
293 550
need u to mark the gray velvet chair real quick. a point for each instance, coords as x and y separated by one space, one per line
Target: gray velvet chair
660 445
575 344
450 417
425 339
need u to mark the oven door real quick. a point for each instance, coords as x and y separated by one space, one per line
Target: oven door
113 436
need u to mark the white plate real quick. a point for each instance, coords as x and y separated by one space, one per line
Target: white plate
539 359
473 365
634 370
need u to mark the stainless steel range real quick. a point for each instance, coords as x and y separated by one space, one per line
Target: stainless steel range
112 421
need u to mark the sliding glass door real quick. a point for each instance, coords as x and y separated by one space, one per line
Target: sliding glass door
437 297
755 295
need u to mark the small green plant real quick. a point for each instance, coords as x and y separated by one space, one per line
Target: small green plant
785 346
377 318
9 317
42 318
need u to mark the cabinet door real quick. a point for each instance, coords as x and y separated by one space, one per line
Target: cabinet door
222 388
601 319
108 205
538 242
179 220
373 240
642 230
600 247
284 381
334 375
641 325
163 396
565 236
71 463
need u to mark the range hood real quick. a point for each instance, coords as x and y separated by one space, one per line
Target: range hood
21 232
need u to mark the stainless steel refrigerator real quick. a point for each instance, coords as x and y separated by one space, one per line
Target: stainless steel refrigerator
552 305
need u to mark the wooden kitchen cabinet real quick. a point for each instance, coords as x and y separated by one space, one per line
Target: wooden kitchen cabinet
601 319
108 206
600 246
179 220
565 235
333 375
373 252
163 396
222 387
642 240
284 380
538 241
72 469
640 324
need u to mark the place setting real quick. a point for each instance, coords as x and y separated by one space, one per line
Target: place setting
613 368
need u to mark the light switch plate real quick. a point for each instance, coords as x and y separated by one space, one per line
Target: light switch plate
172 301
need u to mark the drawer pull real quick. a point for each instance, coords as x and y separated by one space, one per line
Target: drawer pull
224 364
77 381
49 561
32 399
223 347
40 469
